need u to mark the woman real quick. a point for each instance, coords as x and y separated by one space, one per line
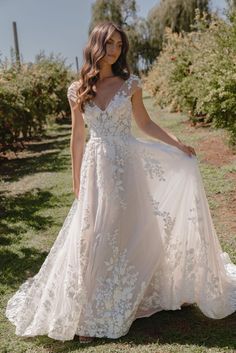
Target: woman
139 237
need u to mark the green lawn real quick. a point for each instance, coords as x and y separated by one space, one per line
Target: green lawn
35 196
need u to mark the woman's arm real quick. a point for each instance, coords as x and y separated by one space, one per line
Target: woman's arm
152 129
77 143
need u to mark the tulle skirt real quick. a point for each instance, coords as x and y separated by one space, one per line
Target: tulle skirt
138 240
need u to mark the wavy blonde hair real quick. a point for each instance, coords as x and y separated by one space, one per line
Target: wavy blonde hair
94 51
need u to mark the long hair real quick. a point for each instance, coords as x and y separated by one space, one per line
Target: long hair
93 52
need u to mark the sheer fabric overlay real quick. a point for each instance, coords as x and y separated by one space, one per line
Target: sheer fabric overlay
138 240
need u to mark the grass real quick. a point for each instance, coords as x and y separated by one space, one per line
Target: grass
35 196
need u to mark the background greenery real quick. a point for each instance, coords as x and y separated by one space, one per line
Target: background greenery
30 96
183 51
196 73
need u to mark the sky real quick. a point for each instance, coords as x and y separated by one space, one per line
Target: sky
54 26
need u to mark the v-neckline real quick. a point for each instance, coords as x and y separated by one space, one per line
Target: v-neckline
112 98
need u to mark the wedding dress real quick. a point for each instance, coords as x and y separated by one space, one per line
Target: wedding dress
138 240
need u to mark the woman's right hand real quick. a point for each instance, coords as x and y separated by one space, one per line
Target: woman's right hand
76 191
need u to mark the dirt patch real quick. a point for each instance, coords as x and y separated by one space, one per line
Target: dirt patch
213 146
216 152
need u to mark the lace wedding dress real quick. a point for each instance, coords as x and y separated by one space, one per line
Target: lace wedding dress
139 239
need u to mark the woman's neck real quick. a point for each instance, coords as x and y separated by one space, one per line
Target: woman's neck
106 72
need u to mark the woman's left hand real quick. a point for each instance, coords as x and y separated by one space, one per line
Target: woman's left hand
187 149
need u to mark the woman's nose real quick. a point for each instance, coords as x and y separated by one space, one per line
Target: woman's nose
113 49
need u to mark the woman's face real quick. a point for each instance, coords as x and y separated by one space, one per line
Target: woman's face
113 48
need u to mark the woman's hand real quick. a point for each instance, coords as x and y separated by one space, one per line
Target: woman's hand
187 149
76 190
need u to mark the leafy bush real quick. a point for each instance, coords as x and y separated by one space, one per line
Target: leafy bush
30 96
196 73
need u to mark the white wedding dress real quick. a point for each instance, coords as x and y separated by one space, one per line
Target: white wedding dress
139 239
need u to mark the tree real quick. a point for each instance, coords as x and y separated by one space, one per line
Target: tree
122 12
231 10
177 14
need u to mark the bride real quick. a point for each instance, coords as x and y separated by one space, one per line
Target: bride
139 236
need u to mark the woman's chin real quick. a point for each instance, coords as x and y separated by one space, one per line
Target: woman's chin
111 60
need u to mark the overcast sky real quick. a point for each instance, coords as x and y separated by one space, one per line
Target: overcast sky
58 26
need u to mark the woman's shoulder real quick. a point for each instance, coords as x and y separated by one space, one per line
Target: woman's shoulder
135 80
72 90
74 84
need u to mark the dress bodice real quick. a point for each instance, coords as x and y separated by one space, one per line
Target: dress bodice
115 119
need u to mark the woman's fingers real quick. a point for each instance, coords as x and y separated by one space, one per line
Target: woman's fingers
76 192
189 150
192 150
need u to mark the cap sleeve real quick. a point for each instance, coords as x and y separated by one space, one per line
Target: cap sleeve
72 91
136 83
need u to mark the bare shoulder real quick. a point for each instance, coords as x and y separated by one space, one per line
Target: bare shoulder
135 84
135 78
74 84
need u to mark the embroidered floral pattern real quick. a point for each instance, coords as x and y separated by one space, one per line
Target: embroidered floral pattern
114 300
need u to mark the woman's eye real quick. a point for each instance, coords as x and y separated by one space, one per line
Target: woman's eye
109 43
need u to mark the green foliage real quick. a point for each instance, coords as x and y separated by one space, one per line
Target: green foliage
195 73
119 11
178 15
30 95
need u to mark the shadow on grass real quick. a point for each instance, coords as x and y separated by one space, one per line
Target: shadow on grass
50 160
49 144
16 267
185 327
56 128
19 213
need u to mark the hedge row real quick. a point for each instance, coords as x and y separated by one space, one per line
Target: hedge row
31 95
196 73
